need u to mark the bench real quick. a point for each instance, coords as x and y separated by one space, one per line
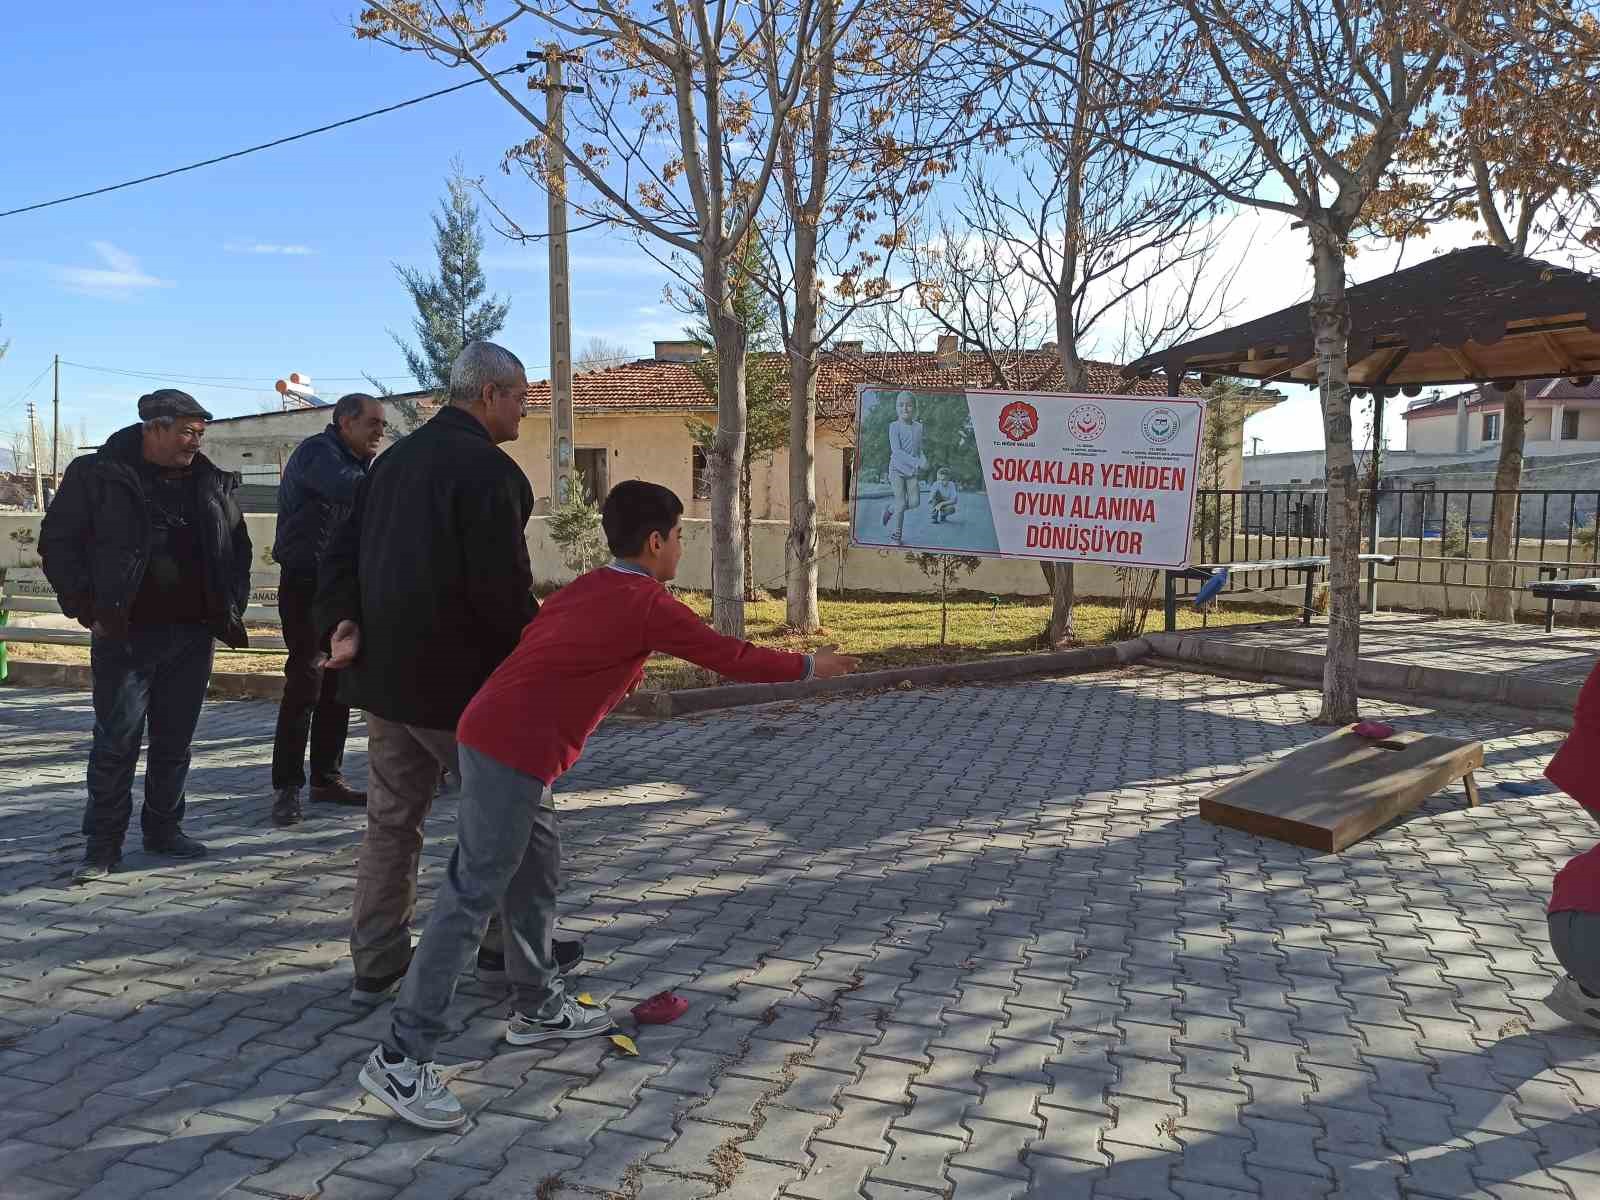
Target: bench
1551 590
26 592
1309 566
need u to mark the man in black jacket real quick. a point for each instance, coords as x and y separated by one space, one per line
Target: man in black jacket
145 546
315 494
425 589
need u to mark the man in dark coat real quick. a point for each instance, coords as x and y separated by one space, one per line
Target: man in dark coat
424 590
314 496
146 547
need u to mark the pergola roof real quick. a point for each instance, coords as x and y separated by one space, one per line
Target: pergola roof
1470 316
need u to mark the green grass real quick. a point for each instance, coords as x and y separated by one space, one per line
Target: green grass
903 631
884 630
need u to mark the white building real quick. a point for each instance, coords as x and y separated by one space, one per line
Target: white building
259 444
1562 418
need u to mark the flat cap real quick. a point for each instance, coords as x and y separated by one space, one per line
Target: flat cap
170 402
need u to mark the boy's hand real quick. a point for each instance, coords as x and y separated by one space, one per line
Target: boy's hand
828 663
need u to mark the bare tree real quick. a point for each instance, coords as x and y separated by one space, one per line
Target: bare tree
677 140
1303 105
1078 212
598 353
1518 155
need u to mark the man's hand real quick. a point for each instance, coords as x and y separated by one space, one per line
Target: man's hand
343 646
827 663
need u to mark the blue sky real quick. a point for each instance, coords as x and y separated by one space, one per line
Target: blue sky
282 261
273 263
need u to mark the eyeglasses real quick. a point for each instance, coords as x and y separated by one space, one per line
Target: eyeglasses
191 433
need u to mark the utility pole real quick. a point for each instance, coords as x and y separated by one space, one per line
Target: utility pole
55 433
562 432
33 441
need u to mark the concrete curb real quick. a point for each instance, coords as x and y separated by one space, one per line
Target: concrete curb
694 700
1060 662
1373 677
29 673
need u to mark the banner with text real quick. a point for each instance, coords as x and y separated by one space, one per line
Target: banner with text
1071 478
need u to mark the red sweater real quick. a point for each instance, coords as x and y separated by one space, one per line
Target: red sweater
1577 886
1575 769
583 654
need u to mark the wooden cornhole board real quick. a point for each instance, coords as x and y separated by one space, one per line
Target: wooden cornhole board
1335 791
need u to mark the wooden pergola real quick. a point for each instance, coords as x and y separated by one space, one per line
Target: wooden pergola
1476 316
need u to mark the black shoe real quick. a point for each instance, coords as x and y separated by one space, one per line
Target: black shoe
492 966
286 807
337 791
371 989
98 862
176 844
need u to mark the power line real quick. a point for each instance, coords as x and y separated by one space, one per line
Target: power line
217 381
25 392
293 137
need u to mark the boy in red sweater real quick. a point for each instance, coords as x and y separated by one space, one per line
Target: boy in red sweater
525 727
1575 898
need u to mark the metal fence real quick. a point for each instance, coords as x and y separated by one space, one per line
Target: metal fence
1436 536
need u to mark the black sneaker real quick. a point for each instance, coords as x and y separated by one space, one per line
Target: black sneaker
176 844
98 862
492 966
286 807
371 989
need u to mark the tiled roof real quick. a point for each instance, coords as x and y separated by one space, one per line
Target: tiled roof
1540 391
669 386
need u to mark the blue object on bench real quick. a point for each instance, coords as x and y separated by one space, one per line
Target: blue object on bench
1218 581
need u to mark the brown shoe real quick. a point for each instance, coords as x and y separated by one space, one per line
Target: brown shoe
338 792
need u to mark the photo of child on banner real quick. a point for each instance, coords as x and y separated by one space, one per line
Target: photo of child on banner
918 458
1062 477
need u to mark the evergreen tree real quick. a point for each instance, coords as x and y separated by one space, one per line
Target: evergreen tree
452 308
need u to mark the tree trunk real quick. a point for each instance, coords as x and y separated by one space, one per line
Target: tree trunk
800 605
727 453
1330 330
944 604
1501 602
1061 577
744 507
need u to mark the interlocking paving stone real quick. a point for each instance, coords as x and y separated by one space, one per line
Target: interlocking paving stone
939 948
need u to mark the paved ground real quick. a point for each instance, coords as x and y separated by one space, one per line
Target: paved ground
1482 647
964 942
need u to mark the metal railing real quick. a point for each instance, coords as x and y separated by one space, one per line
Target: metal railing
1437 537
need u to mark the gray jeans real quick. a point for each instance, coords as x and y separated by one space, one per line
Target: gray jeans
507 860
1575 937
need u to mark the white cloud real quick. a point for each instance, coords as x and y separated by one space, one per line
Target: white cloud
293 249
118 278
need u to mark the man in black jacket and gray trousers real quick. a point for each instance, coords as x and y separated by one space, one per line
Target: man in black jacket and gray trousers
424 590
146 547
314 497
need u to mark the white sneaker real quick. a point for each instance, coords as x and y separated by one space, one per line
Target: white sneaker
572 1022
413 1090
1571 1003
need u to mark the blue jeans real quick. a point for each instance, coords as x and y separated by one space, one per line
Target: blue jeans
155 675
507 860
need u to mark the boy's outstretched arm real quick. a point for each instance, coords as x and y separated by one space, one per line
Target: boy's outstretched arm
672 627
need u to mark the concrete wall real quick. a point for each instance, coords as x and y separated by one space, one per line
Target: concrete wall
855 569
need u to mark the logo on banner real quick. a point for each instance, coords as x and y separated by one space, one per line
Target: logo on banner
1160 426
1019 421
1087 422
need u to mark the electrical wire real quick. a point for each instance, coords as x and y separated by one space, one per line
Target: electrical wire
283 141
25 392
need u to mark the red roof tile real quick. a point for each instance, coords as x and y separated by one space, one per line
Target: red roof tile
669 386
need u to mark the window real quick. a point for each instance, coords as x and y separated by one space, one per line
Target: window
1491 427
1569 425
700 474
849 456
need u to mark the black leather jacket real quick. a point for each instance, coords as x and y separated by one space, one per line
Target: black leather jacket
96 538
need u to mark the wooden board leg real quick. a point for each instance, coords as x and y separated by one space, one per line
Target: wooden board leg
1473 799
